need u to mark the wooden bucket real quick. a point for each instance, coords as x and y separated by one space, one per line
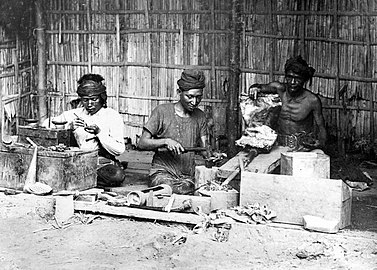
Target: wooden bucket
305 164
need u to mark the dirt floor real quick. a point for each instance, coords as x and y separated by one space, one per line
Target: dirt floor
105 242
112 243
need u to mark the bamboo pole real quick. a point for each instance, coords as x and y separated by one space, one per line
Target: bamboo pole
302 31
90 40
369 72
337 82
117 26
213 49
233 119
1 114
41 48
271 43
16 83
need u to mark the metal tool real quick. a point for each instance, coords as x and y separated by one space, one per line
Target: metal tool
187 149
140 197
169 206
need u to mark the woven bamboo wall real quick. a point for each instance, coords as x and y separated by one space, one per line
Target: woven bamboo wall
141 48
16 81
337 37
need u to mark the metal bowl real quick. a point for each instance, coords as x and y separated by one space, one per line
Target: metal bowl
59 123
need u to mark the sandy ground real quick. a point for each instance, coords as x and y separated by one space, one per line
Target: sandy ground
105 242
112 243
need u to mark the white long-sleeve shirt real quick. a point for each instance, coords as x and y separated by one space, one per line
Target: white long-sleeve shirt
111 129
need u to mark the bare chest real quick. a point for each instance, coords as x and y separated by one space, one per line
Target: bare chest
295 109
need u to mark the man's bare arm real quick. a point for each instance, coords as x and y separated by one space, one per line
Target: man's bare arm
320 121
147 142
270 88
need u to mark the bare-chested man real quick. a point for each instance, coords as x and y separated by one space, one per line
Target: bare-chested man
301 123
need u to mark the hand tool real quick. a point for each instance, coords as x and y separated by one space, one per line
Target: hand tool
187 149
170 203
140 197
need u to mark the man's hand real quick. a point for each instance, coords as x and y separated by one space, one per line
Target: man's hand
174 146
78 122
311 144
93 129
253 91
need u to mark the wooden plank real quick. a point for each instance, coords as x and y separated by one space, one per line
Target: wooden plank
266 163
102 208
231 165
293 197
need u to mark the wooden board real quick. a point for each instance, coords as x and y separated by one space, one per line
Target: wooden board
266 163
293 197
232 164
69 170
102 208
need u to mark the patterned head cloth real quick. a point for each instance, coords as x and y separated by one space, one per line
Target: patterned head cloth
191 79
299 66
90 84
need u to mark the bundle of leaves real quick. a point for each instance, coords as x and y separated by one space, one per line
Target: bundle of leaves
257 213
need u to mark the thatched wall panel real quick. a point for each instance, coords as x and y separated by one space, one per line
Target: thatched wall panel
16 80
142 46
338 38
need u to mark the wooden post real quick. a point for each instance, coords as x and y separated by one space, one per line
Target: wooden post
1 114
90 40
41 52
16 80
272 45
340 133
233 115
118 57
369 71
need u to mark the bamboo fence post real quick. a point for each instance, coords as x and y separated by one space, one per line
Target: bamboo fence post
233 116
272 45
1 114
369 67
337 82
41 46
16 84
117 26
31 78
148 41
302 30
90 41
213 48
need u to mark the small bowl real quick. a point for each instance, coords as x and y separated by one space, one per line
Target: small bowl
7 140
59 124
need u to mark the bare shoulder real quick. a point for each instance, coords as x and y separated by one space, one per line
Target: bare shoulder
312 97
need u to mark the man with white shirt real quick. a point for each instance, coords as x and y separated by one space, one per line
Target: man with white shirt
94 125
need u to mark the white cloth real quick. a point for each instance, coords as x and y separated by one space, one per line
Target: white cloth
111 129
